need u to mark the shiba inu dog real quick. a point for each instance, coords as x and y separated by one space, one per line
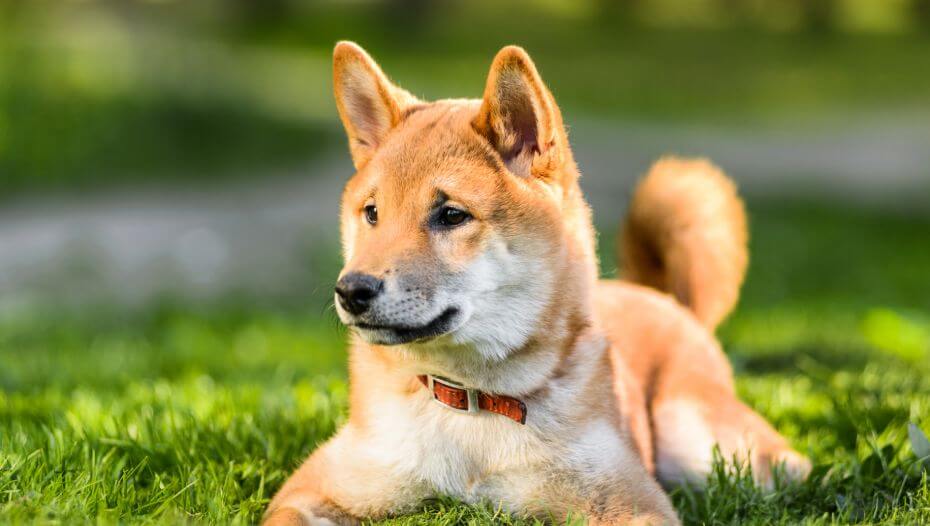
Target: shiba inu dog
488 363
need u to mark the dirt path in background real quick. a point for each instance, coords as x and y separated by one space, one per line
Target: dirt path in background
258 236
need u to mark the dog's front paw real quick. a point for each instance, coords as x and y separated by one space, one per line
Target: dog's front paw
796 466
791 465
293 517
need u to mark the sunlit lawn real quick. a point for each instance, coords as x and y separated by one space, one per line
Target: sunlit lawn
176 412
181 413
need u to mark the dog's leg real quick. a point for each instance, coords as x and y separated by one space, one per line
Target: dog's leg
691 414
339 484
307 498
605 482
688 425
688 386
634 499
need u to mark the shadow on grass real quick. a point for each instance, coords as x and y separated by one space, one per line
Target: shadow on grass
803 359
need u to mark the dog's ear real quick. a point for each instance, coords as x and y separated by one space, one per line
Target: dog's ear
519 117
369 104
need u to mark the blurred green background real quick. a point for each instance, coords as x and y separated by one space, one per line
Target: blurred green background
112 92
169 182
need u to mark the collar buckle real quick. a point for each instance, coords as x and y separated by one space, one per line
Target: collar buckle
471 395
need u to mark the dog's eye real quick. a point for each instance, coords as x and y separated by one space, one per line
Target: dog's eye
371 214
449 216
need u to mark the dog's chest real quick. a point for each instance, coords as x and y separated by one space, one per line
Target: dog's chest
471 456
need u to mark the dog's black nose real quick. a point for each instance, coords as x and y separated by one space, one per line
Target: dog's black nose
356 291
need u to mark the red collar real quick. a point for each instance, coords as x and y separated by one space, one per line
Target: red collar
460 398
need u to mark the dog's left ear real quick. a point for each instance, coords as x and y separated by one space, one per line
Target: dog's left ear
519 117
369 104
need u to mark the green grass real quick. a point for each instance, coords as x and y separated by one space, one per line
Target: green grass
178 413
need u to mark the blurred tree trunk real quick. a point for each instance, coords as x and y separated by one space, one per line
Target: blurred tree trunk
410 15
818 16
739 12
617 12
262 11
921 12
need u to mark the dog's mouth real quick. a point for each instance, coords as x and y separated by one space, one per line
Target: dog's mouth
398 334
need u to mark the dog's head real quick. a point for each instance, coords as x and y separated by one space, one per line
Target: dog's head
463 216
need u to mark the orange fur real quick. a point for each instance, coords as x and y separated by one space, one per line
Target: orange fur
621 383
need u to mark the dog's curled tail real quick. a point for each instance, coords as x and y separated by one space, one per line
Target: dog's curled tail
685 234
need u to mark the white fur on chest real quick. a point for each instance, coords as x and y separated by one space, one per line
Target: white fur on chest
463 455
485 456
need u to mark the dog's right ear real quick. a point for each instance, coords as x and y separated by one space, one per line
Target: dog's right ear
369 104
